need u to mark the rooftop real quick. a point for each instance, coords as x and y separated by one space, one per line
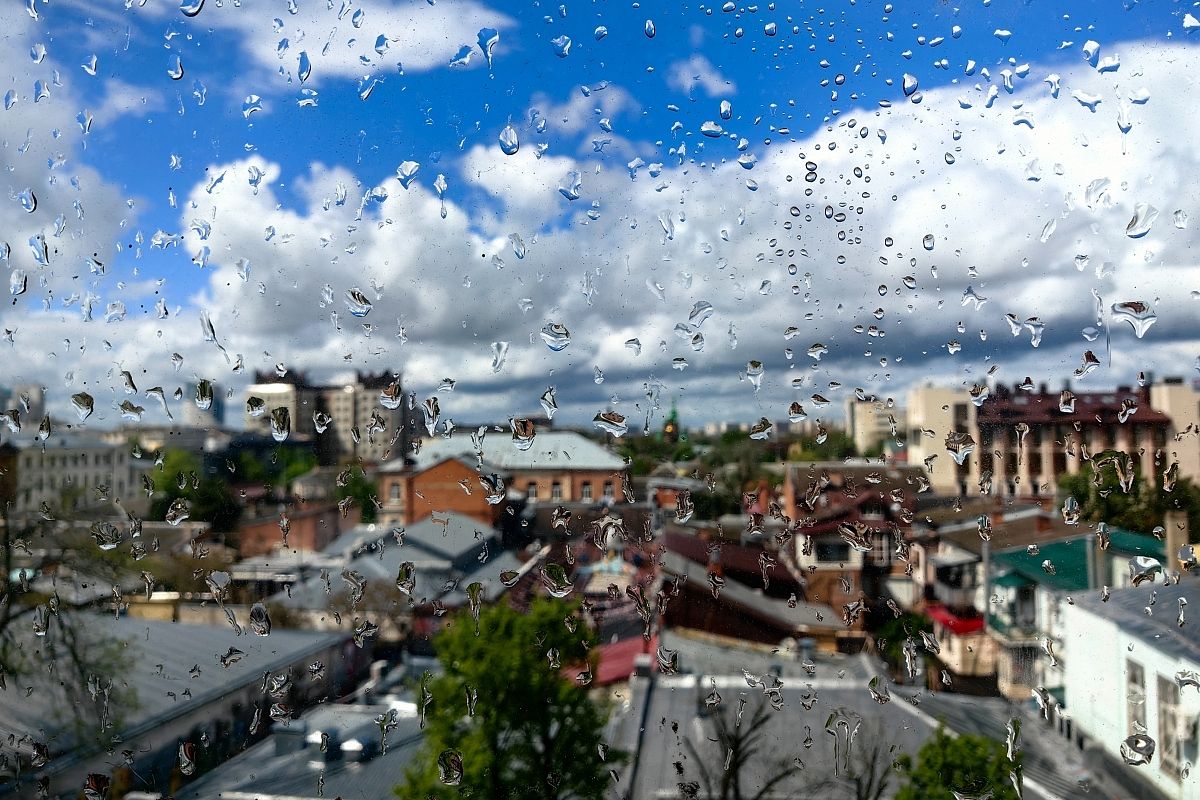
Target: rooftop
1152 614
550 450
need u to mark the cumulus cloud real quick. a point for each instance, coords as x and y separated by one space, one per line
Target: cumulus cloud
1028 200
350 41
698 72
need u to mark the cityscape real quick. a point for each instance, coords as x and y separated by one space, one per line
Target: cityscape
493 400
994 563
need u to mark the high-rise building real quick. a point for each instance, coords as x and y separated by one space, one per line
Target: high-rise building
872 421
363 419
203 409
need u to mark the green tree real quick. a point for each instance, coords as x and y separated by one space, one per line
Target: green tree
1141 509
503 706
948 766
354 483
836 447
180 476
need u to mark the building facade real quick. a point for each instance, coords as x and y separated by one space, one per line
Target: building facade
71 471
872 422
1020 441
362 419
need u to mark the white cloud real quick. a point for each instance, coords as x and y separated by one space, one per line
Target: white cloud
417 36
699 72
699 233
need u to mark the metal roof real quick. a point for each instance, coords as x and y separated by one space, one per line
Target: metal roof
159 657
550 450
1151 614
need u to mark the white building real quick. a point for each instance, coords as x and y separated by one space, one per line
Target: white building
1134 670
872 421
1181 403
72 471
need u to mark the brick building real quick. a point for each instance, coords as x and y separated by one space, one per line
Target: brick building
473 475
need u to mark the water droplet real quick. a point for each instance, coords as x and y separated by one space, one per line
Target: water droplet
1144 215
960 445
358 303
83 404
407 172
281 423
260 620
509 141
649 29
178 511
487 40
562 46
1138 314
450 767
909 84
1137 750
928 242
191 8
556 336
611 422
305 66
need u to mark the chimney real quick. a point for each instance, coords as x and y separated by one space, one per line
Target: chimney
1176 524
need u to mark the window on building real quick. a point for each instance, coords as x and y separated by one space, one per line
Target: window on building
585 491
1135 698
394 492
556 492
531 490
608 490
1173 728
832 551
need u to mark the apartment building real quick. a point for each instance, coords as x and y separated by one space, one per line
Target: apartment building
69 470
1018 441
873 422
364 418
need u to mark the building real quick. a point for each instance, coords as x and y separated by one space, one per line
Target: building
473 475
195 684
363 419
1030 564
1181 403
291 392
1131 679
872 422
332 751
71 471
1019 441
27 398
203 405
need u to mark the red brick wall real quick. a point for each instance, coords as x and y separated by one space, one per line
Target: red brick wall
440 488
312 527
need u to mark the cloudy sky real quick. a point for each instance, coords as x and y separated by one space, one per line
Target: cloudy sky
855 196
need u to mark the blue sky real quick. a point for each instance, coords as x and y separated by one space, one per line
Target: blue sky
700 228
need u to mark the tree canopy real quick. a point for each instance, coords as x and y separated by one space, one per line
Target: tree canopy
503 720
1141 509
949 766
210 499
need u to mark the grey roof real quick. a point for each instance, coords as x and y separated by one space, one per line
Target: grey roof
1161 630
158 660
551 450
439 552
447 535
263 773
61 441
804 615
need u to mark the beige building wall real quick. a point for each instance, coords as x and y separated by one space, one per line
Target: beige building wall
940 410
1181 403
869 422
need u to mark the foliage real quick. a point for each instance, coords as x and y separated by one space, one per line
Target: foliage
532 733
644 453
1141 509
284 466
211 499
947 766
362 489
892 635
47 643
836 447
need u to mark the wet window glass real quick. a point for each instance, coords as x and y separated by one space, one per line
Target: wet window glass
463 398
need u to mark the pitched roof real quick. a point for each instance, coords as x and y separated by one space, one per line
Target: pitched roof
1151 614
159 657
550 450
